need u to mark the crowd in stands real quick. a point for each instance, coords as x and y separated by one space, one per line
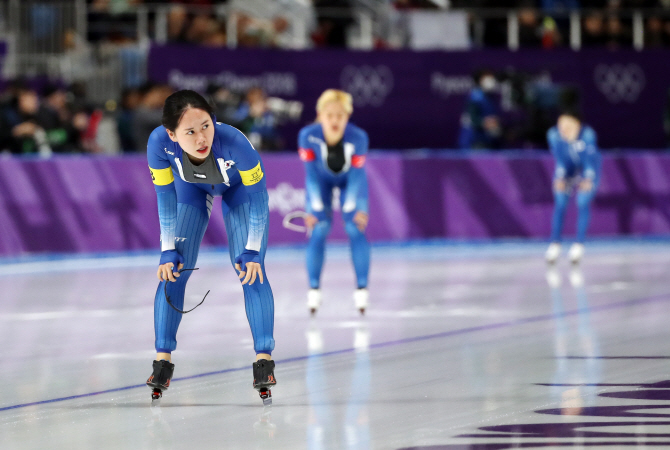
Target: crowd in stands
324 23
51 119
57 119
257 23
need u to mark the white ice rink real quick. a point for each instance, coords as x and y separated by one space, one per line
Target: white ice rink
463 347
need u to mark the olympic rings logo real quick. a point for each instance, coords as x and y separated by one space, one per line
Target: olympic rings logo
620 83
367 85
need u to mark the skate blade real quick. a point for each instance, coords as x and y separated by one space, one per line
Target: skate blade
156 395
155 402
266 396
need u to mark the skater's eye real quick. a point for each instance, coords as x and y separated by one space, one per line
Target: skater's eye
205 127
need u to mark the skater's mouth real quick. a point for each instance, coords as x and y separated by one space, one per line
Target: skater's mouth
203 150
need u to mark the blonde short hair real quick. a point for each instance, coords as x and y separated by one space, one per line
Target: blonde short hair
335 95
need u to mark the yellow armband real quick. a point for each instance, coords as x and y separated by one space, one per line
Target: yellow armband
162 177
253 176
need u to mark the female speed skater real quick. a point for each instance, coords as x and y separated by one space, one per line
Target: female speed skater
334 152
193 159
578 162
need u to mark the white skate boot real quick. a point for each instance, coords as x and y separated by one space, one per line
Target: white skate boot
576 253
361 299
553 252
313 300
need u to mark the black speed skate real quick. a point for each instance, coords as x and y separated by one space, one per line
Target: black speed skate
264 379
159 381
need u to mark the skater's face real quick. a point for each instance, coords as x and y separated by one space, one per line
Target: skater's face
194 133
568 127
334 118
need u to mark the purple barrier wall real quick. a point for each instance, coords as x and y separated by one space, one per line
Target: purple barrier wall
408 99
84 204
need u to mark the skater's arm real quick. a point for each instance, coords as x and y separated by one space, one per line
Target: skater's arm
591 154
355 204
314 203
166 196
251 170
553 139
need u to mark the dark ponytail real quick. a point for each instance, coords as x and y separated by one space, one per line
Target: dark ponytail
177 104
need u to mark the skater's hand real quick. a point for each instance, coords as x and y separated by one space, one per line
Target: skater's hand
560 185
361 220
249 266
169 260
311 221
586 185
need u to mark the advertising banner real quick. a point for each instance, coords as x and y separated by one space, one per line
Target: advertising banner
84 204
407 99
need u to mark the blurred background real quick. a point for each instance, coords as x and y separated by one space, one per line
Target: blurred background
457 97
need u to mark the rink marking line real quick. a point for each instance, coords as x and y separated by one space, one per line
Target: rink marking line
487 327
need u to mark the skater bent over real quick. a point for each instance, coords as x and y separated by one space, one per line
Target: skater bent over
334 153
193 159
578 161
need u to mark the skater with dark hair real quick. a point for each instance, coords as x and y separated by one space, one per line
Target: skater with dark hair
193 159
578 161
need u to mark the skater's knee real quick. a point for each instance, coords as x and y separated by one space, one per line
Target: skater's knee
352 230
321 229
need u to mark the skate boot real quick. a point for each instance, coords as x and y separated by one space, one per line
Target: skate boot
264 379
159 381
314 300
361 299
553 252
576 253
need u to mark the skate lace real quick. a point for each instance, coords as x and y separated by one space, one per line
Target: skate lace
167 297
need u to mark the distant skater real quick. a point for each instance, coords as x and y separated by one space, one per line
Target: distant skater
578 165
334 153
193 159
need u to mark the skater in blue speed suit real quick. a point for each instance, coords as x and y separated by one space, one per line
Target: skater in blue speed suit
578 162
334 152
193 159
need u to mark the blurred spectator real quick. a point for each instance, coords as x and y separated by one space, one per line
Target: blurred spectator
257 122
177 23
553 5
226 103
617 35
148 113
281 23
551 36
594 30
130 101
653 33
23 124
333 20
480 122
529 28
197 26
112 20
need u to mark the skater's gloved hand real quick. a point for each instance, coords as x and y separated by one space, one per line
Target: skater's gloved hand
560 185
249 266
586 185
359 218
166 267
